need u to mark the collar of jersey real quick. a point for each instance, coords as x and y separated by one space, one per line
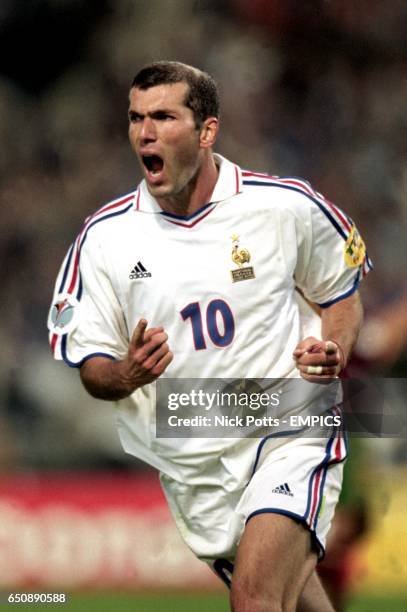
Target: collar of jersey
229 183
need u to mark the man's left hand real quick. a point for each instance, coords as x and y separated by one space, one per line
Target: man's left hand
318 361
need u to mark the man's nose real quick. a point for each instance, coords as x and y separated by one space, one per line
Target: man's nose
148 132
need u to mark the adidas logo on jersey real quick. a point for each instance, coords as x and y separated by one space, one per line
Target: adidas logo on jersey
284 489
139 271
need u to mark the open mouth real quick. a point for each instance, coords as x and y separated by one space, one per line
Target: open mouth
153 163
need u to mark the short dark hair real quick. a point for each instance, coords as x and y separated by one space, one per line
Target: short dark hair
202 96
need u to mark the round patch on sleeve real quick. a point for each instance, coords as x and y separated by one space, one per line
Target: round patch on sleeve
355 250
64 314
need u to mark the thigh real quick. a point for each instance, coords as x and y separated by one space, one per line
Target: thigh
300 480
274 561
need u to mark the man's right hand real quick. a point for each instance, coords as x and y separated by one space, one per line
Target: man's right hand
148 355
147 358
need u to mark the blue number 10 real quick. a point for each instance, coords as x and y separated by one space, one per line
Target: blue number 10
219 338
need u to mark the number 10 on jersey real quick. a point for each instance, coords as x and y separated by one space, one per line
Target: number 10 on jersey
217 312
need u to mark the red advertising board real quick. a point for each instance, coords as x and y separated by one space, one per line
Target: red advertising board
92 530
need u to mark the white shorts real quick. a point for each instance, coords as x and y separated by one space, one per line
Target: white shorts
298 477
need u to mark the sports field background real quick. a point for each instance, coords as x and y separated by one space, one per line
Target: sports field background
108 602
205 603
315 90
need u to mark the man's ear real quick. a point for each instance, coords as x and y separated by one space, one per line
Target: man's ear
209 132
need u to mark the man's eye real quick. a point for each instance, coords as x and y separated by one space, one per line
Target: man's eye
134 118
164 117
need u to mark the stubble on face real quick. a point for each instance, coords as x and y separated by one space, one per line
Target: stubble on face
165 139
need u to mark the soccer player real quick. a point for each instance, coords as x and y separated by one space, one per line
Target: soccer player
206 271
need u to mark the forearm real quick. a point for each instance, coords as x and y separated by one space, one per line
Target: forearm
106 379
147 358
342 321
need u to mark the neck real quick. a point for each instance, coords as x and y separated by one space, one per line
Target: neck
196 193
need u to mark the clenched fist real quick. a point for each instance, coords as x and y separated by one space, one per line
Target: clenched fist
319 361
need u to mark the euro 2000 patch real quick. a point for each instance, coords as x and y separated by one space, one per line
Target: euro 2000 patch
64 314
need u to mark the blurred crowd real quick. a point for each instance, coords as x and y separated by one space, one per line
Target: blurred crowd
315 90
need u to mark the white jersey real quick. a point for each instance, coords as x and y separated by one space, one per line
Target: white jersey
221 282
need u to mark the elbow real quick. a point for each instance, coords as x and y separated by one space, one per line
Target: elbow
98 376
